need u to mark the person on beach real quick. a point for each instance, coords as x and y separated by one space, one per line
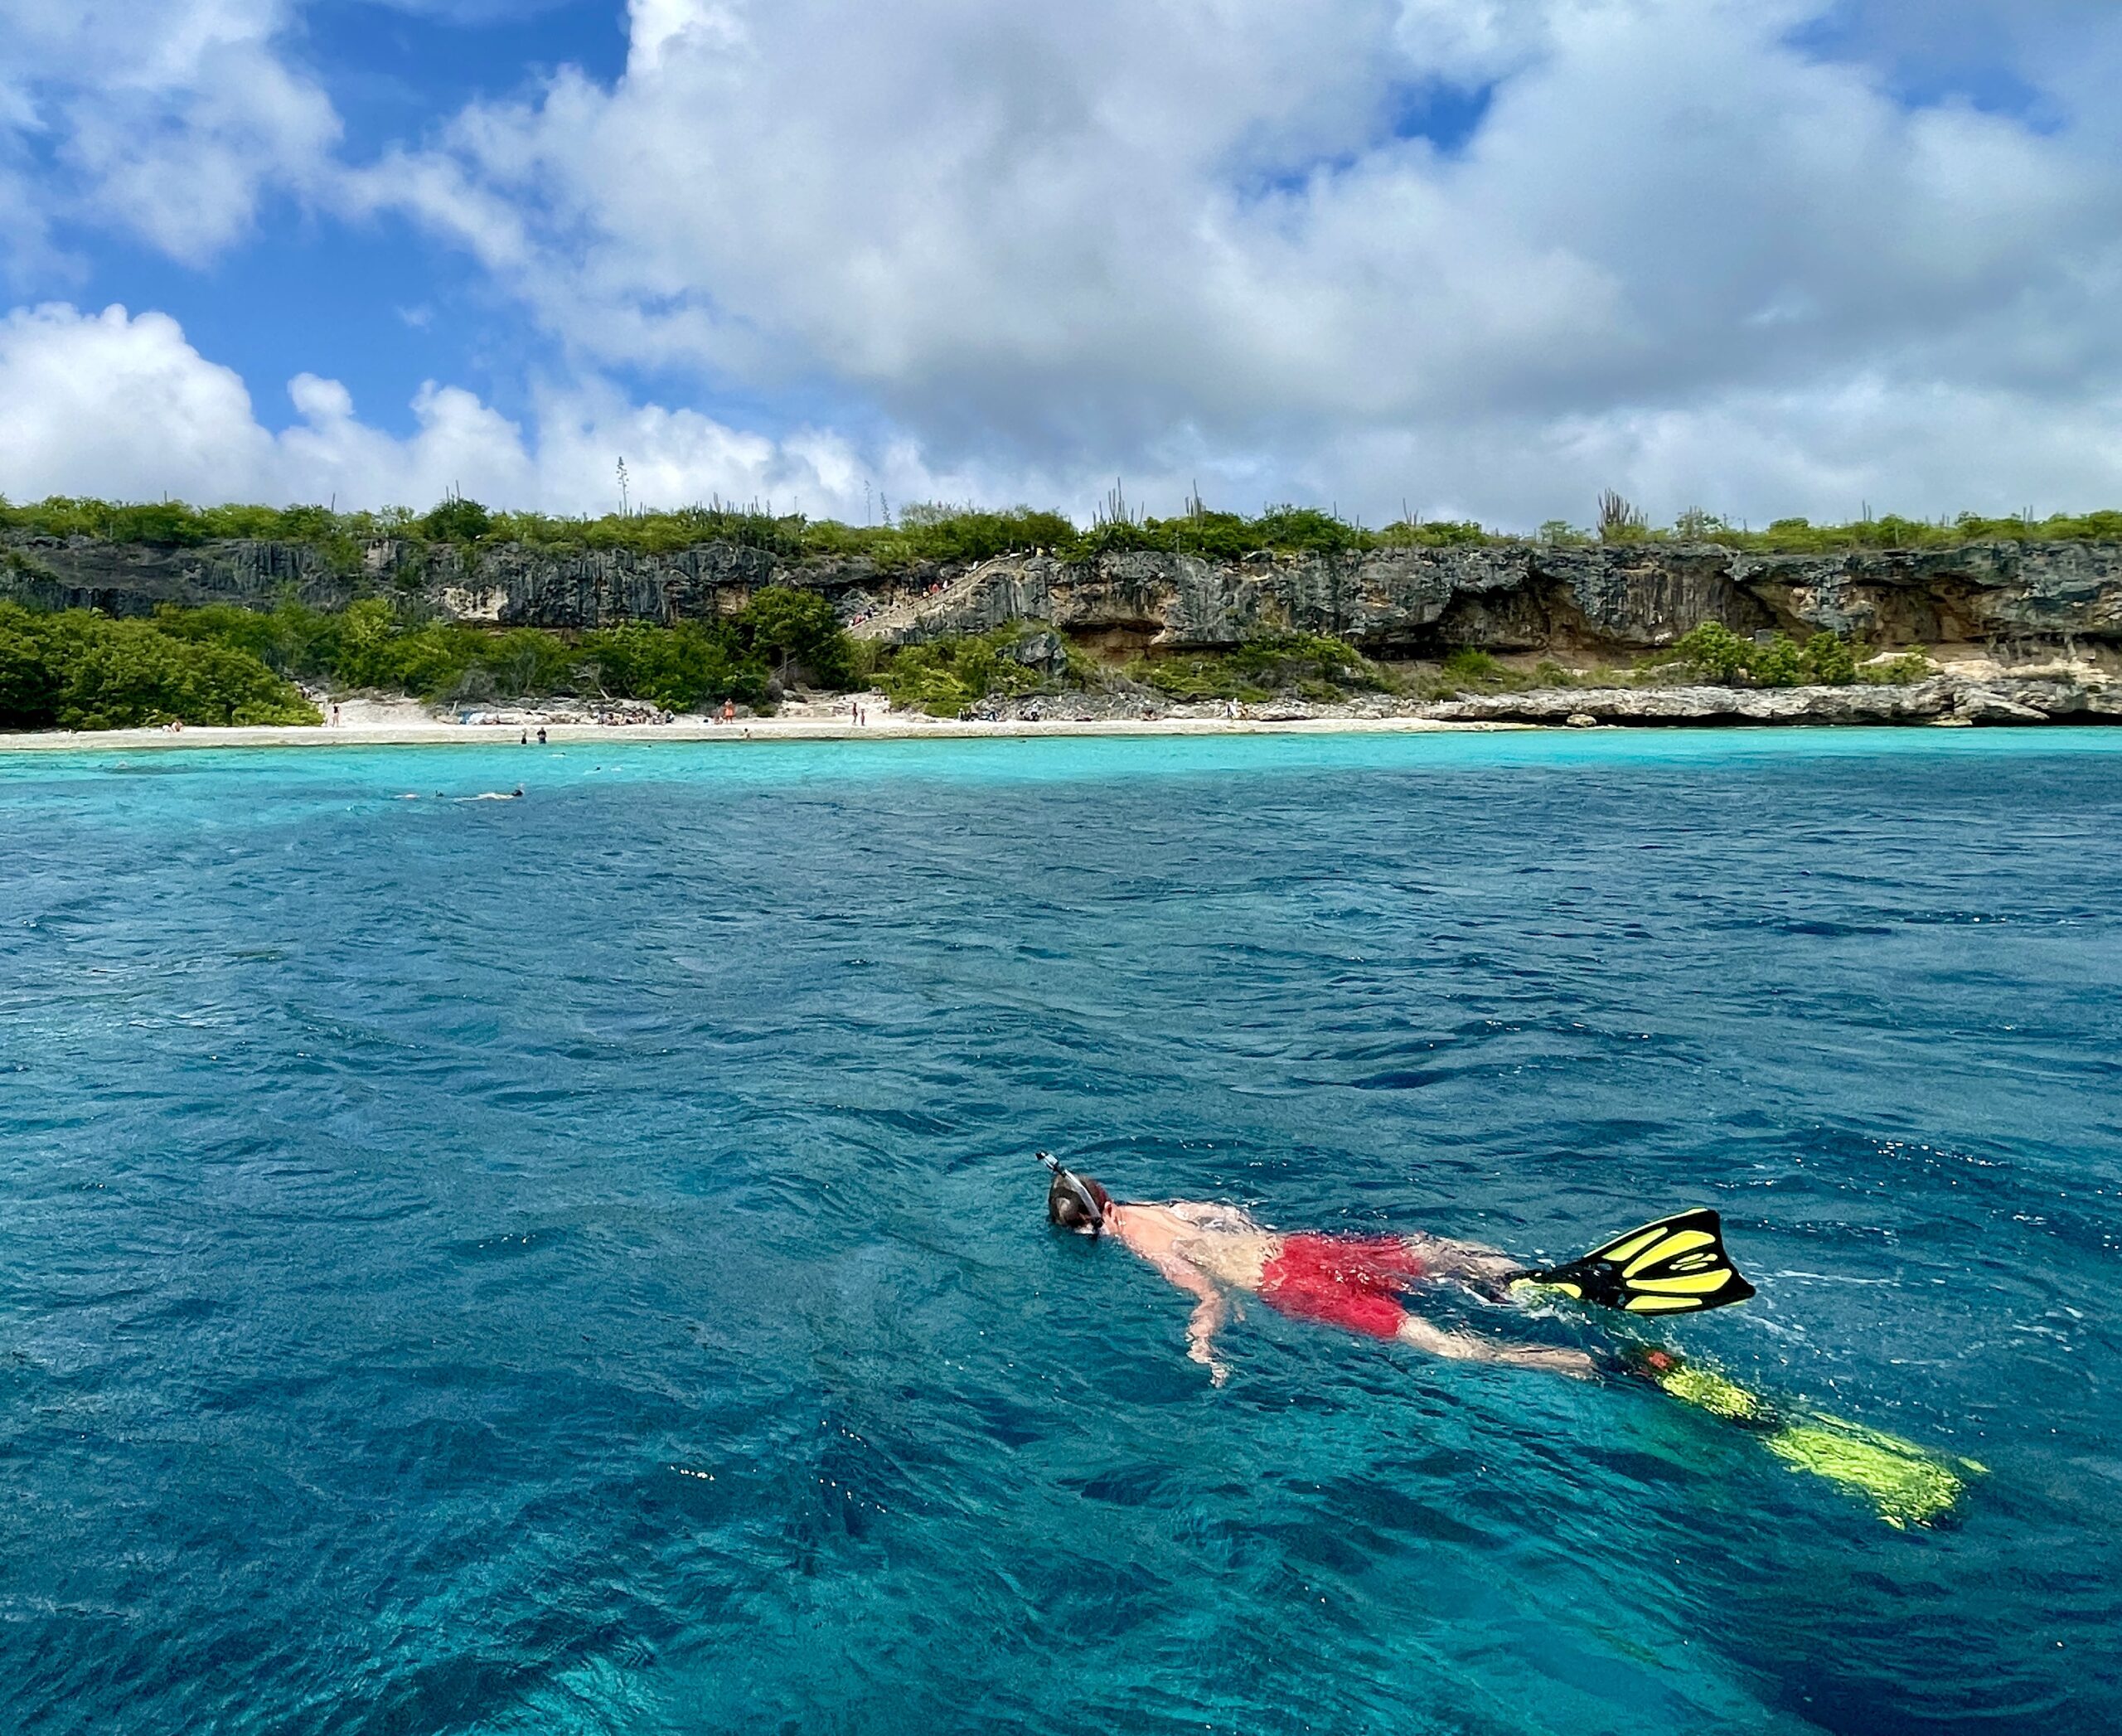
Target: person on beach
1363 1283
541 735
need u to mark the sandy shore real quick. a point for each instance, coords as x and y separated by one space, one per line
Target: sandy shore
408 727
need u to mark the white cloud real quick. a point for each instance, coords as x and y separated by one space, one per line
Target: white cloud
121 405
167 117
1060 239
1701 250
110 404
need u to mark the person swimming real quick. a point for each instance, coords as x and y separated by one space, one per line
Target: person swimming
1676 1264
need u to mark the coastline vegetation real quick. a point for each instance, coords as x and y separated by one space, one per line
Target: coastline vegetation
78 670
1312 665
225 664
930 532
947 677
1714 653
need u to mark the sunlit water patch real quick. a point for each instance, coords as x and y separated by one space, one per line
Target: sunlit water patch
575 1263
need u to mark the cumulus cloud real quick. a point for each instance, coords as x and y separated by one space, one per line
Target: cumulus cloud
121 405
168 119
1483 256
1068 237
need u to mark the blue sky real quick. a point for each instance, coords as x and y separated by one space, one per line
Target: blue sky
376 304
1487 256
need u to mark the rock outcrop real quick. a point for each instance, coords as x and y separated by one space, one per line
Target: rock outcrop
1508 597
1524 597
1943 699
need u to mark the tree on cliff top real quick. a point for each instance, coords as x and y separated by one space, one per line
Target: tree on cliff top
457 520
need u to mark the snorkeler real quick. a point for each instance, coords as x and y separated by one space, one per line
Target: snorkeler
1676 1265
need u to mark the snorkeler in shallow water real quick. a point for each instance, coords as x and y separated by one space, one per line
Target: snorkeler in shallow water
1675 1265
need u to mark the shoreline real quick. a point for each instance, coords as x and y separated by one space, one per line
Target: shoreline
768 732
2048 698
749 732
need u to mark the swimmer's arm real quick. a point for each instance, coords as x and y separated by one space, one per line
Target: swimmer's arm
1465 1347
1207 1315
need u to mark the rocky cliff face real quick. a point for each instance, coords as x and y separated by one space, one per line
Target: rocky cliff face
1419 602
1523 598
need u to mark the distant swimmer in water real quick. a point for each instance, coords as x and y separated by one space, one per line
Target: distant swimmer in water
1362 1283
495 795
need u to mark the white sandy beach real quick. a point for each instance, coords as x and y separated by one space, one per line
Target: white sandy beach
370 723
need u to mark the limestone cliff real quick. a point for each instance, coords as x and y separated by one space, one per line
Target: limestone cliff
1509 597
1520 597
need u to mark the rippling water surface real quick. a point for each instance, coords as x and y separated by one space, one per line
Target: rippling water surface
575 1264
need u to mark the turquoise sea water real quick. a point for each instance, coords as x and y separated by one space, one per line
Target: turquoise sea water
575 1264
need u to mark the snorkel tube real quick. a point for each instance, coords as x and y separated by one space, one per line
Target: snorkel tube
1073 1202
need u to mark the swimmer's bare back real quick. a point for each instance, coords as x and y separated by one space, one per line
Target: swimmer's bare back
1356 1283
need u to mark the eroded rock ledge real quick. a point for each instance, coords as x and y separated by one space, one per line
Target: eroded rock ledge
1414 603
2085 697
1944 699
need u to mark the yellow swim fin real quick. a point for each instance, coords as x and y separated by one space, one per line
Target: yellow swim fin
1675 1265
1905 1484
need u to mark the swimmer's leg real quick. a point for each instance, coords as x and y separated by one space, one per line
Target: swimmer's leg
1472 1263
1467 1347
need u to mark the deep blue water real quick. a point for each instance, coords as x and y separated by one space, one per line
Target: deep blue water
576 1264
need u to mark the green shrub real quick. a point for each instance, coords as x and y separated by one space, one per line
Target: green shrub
1909 668
1467 664
1443 533
1779 663
372 643
1468 667
1310 663
1199 677
680 668
946 677
457 520
29 676
956 534
1826 661
1714 652
80 670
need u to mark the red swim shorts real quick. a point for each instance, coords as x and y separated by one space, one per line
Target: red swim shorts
1345 1281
